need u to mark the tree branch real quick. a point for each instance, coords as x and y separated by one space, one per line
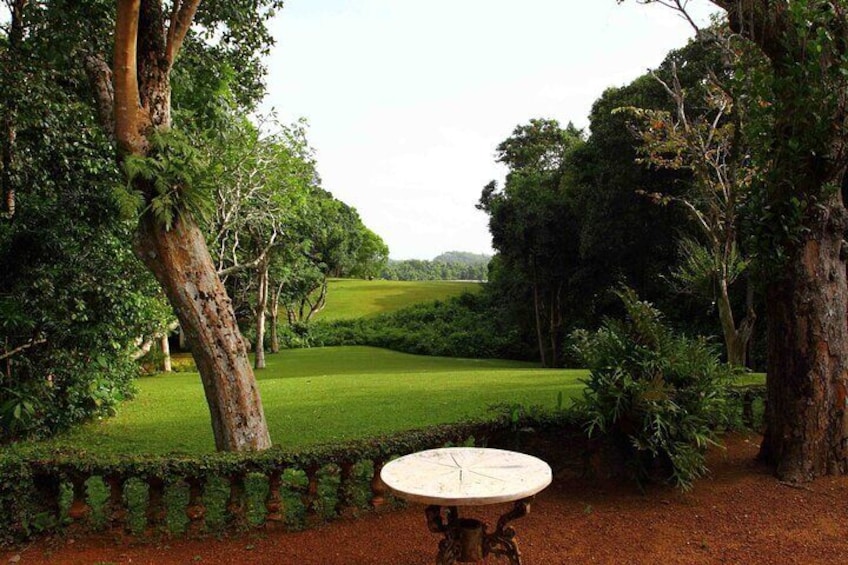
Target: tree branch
181 18
144 346
126 77
100 78
31 343
254 263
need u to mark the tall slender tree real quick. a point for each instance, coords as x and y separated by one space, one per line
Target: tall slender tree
703 136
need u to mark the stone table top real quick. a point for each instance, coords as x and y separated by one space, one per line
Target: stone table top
466 476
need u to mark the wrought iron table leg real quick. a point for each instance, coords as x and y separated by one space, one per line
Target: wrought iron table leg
466 540
502 540
448 547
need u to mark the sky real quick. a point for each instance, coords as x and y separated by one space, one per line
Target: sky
407 99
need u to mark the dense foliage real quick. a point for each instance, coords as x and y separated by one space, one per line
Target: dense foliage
459 327
73 300
657 396
580 214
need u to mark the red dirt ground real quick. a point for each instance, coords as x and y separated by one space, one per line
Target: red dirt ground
740 514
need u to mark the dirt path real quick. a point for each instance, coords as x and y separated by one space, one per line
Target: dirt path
739 515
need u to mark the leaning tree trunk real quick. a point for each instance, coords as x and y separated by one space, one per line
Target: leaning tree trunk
807 421
181 263
145 50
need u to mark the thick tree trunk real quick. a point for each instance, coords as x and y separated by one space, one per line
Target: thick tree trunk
807 420
807 428
181 263
261 307
178 257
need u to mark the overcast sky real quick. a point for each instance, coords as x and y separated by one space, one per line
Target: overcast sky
407 99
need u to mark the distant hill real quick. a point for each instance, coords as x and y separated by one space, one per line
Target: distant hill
451 265
463 258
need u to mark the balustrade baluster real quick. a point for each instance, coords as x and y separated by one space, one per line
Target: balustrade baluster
116 509
344 502
156 512
236 504
378 488
310 496
80 509
274 501
195 509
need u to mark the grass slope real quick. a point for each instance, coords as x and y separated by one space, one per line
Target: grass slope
322 395
356 298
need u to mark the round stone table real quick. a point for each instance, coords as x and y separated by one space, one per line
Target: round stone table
450 477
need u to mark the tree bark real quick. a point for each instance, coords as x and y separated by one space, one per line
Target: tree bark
166 353
274 316
261 307
181 263
807 421
807 303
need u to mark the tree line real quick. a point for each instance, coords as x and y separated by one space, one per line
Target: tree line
449 266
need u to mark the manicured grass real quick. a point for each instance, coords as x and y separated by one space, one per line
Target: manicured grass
325 395
355 298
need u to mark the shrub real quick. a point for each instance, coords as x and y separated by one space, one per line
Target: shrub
469 325
658 397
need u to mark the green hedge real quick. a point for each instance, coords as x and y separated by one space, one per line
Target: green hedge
25 513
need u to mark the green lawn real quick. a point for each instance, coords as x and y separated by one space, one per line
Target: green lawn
324 395
355 298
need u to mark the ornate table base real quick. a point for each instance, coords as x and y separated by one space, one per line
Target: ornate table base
466 539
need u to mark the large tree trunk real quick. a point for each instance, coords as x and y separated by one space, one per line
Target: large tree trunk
181 263
807 431
144 54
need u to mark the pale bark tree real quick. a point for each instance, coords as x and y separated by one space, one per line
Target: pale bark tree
708 145
259 195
